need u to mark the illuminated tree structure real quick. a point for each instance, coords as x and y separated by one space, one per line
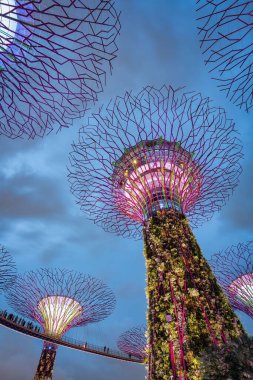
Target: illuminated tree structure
7 270
59 300
133 342
226 35
54 56
148 162
234 271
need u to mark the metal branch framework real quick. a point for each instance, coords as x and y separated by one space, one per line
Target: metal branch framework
7 270
226 37
60 299
159 149
234 271
54 56
148 161
133 342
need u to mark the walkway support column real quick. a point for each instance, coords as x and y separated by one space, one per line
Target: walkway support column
46 364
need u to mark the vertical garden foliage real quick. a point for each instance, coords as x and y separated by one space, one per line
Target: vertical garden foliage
187 309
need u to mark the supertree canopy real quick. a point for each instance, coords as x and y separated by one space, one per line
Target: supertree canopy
133 342
158 150
54 56
150 161
59 300
7 270
234 271
226 35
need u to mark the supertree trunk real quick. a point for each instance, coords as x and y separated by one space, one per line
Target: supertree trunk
46 364
187 309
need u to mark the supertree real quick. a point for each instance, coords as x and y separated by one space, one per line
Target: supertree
149 162
7 270
234 271
54 56
133 342
58 300
226 35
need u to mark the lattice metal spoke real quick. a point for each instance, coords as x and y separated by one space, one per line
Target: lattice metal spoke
7 270
225 30
158 149
133 342
54 57
60 299
234 270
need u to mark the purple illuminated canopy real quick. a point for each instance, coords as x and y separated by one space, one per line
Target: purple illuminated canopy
54 57
234 271
133 342
61 299
158 149
226 35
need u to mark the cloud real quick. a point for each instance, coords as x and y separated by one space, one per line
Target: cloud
18 356
10 148
237 215
42 226
240 215
27 195
95 368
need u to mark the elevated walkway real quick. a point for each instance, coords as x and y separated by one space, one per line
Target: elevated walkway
69 342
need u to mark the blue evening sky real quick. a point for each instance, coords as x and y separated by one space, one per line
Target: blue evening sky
41 225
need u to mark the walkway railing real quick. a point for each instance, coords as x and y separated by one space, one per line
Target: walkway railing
19 324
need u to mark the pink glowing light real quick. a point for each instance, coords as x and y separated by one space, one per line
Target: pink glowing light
242 288
133 342
234 271
155 175
158 149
